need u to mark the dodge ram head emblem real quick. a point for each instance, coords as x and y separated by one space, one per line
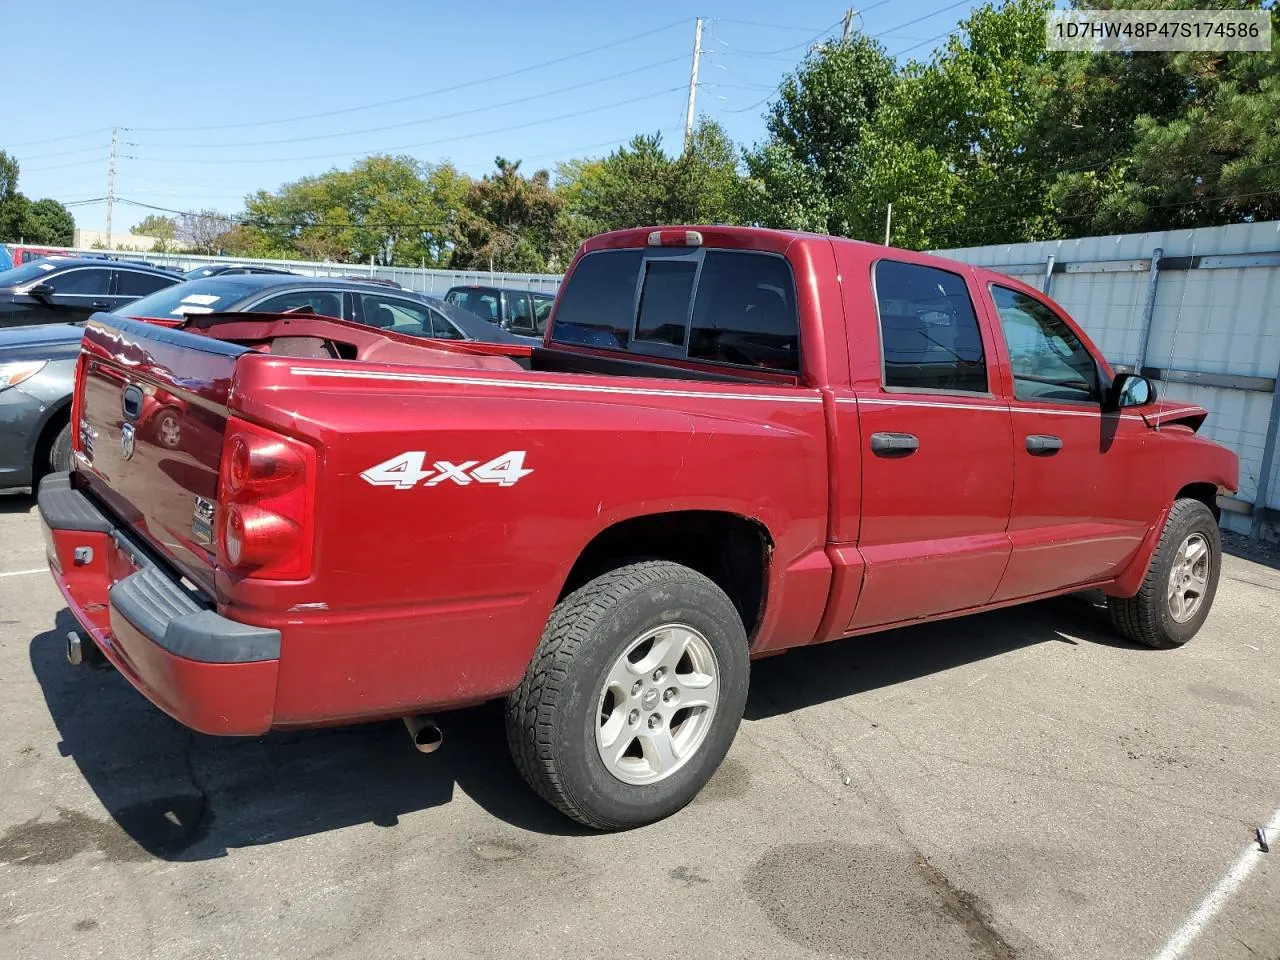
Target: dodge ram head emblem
127 440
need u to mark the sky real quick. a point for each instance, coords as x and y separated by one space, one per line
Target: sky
213 102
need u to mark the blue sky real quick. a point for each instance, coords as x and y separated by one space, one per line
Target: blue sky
215 101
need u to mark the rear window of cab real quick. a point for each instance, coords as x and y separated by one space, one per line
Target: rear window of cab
718 306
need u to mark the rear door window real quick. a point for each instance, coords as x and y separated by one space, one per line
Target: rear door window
323 302
133 283
928 329
396 315
441 328
480 301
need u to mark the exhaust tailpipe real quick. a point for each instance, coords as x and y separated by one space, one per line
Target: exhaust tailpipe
424 733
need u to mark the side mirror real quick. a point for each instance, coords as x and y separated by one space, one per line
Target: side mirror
41 290
1130 390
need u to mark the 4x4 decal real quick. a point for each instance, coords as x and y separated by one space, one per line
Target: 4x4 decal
405 471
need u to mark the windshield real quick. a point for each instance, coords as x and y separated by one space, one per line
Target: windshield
194 296
26 273
199 273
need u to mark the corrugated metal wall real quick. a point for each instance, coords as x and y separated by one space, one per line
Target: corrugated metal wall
1214 302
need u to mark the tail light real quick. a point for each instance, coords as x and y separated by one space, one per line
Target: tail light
266 503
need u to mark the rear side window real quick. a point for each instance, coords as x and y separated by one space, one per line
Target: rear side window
928 329
130 283
714 305
483 303
597 305
745 312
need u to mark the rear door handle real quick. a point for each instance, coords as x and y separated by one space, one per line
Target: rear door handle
100 305
1043 444
894 444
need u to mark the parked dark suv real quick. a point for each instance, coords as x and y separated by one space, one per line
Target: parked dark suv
518 311
68 289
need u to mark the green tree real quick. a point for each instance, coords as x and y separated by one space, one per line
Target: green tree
12 203
396 210
510 223
48 221
154 225
640 185
811 164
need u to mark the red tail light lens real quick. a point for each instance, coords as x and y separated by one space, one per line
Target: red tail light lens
266 503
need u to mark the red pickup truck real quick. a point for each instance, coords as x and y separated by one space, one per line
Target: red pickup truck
732 441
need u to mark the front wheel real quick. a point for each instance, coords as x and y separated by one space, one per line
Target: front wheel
60 451
633 697
1175 597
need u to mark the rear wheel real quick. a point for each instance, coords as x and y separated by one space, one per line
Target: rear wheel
633 697
1174 599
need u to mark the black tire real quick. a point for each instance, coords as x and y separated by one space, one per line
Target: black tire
60 451
552 715
1145 618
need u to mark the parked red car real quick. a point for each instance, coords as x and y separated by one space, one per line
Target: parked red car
734 441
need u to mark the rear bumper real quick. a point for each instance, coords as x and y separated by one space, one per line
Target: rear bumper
210 673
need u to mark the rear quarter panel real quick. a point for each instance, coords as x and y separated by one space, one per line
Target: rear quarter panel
438 594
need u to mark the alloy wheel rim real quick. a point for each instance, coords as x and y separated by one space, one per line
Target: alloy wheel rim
169 431
657 704
1189 577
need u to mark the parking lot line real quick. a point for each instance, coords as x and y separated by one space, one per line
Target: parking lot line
25 573
1217 898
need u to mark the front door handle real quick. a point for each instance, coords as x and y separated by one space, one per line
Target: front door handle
100 305
1042 444
894 444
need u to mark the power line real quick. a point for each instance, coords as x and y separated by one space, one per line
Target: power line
65 166
69 136
578 85
774 26
871 36
423 95
61 153
795 46
441 140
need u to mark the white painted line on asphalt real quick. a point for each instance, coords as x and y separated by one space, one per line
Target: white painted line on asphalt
24 573
1192 927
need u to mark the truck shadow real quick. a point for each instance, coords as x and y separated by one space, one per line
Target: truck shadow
806 676
16 501
183 796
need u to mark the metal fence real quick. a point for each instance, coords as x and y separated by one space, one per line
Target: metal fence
1198 310
419 279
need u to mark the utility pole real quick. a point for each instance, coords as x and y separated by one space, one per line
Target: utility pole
848 25
693 83
888 223
111 184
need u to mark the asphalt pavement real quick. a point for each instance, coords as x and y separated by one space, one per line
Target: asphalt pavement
1018 784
